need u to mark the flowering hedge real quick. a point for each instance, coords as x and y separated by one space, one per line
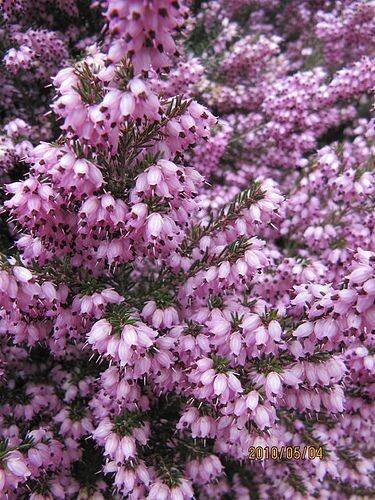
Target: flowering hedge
187 266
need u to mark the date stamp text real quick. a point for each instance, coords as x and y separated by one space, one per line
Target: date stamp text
285 453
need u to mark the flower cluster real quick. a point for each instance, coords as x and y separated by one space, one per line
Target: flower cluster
35 46
189 262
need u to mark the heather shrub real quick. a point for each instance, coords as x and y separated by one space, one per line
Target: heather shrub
187 250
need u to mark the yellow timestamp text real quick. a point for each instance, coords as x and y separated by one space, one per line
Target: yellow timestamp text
285 453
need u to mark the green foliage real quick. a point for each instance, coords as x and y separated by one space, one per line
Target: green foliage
201 39
87 470
168 451
247 477
25 445
89 87
192 328
124 424
215 301
78 409
221 365
124 73
227 214
120 315
121 169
